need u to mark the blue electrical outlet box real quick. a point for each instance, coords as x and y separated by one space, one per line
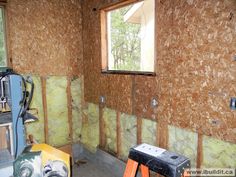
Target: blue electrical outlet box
233 103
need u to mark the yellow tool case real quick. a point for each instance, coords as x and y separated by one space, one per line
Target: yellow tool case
42 160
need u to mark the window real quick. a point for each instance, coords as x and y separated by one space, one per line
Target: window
128 37
3 53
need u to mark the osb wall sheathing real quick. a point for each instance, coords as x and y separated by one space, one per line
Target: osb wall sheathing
195 71
96 84
45 37
204 72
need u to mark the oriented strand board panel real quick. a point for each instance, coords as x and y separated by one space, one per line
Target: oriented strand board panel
149 132
203 36
146 88
118 92
56 96
109 117
165 109
36 128
203 68
45 37
196 94
195 70
91 84
97 84
90 127
218 154
218 119
91 50
185 102
183 142
128 134
164 22
77 96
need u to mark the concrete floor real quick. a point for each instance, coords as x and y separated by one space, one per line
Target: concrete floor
98 164
91 169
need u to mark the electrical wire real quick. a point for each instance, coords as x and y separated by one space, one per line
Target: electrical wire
27 103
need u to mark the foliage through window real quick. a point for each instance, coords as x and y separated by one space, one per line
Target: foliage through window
3 55
129 44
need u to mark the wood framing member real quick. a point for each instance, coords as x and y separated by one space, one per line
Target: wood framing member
133 95
45 112
118 134
104 51
162 134
3 140
162 137
199 150
119 4
139 130
102 138
69 105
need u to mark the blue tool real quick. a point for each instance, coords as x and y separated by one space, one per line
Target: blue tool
14 101
16 96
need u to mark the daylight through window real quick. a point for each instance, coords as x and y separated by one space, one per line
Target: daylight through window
130 37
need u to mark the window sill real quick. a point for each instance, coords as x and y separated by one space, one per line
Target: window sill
123 72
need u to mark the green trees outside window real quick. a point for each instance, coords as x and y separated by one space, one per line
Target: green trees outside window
125 43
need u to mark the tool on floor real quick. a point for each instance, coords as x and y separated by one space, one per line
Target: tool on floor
42 160
159 160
